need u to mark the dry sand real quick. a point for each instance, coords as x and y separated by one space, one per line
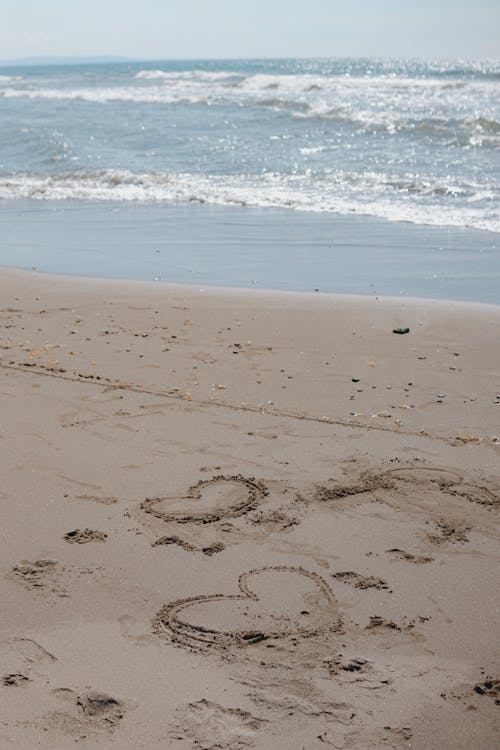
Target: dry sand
246 520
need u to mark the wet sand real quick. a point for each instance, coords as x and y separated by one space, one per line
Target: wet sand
246 519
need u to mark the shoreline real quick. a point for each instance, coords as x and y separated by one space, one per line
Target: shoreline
239 516
248 292
250 247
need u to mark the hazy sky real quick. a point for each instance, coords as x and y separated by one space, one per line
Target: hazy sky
250 28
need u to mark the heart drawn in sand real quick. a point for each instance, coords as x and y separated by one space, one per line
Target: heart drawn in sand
274 602
208 501
424 475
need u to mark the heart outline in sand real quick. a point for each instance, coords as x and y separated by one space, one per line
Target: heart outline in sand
253 495
170 621
427 478
424 475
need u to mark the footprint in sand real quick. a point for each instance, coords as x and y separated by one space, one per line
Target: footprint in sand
382 623
337 666
208 501
360 582
274 602
490 687
38 575
47 577
30 651
100 707
210 725
449 532
88 713
85 536
359 672
401 554
22 659
14 680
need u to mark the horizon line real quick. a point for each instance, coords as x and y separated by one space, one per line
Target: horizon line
55 60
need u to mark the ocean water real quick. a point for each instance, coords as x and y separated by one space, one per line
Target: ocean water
403 141
399 141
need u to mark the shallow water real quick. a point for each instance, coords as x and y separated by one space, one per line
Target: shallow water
250 247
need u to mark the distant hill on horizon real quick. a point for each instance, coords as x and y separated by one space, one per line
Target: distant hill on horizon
77 60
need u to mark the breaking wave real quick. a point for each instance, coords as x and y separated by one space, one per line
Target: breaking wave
405 141
387 101
390 197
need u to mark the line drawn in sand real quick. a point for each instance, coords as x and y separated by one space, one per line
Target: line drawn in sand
208 549
476 494
276 602
219 497
96 499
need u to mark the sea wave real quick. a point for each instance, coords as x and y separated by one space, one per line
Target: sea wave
97 95
293 84
197 75
151 75
391 198
483 124
390 102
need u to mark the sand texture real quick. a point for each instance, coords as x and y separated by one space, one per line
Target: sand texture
238 520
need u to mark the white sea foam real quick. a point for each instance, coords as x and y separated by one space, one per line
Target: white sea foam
306 150
339 192
393 141
201 75
98 95
149 75
391 103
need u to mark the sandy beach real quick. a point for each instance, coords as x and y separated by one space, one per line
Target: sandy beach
245 519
